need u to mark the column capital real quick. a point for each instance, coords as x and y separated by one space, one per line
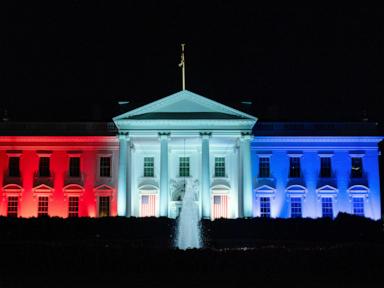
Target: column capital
123 135
164 135
246 136
205 135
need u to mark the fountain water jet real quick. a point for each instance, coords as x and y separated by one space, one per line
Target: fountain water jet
188 226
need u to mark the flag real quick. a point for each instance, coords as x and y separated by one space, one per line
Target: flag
148 205
220 206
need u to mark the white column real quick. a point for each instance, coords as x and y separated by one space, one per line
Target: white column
164 180
128 174
245 154
122 180
205 175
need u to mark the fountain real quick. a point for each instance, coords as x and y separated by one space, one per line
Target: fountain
188 226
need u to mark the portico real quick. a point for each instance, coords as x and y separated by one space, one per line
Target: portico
183 138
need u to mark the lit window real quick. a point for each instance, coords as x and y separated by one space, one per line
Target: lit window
358 206
327 207
264 170
184 166
104 206
73 206
74 167
265 207
149 167
105 166
296 207
44 167
219 167
325 167
13 205
42 206
357 167
294 167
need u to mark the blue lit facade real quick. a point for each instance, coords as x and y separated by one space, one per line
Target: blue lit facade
321 175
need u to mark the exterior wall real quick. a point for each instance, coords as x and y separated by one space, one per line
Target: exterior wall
88 187
310 150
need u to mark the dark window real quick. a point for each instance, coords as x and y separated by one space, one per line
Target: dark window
44 167
327 207
105 166
325 167
104 206
357 167
184 166
14 167
264 170
294 167
73 206
219 167
74 167
42 208
265 207
13 204
149 167
296 207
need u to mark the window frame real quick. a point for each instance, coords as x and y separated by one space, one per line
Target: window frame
218 167
265 167
265 207
292 169
149 168
18 173
181 167
101 167
72 158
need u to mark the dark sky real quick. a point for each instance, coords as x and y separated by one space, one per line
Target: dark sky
74 60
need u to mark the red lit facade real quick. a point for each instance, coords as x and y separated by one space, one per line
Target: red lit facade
58 176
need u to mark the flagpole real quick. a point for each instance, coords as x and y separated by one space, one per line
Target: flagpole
182 65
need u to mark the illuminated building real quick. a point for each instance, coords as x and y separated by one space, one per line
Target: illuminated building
138 165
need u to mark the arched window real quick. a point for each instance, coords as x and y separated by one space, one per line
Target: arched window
12 193
149 201
104 195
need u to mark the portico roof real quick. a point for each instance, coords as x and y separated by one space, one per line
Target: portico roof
185 110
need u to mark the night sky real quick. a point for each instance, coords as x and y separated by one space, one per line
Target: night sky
74 60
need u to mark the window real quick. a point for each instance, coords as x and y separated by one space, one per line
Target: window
13 205
73 206
42 207
327 207
14 167
357 167
184 166
149 167
296 211
219 167
358 206
294 167
264 167
74 167
265 207
105 166
44 167
104 206
325 167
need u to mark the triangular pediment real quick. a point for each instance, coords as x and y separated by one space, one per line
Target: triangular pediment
327 189
183 106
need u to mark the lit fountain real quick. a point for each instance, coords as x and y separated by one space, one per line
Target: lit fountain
188 226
